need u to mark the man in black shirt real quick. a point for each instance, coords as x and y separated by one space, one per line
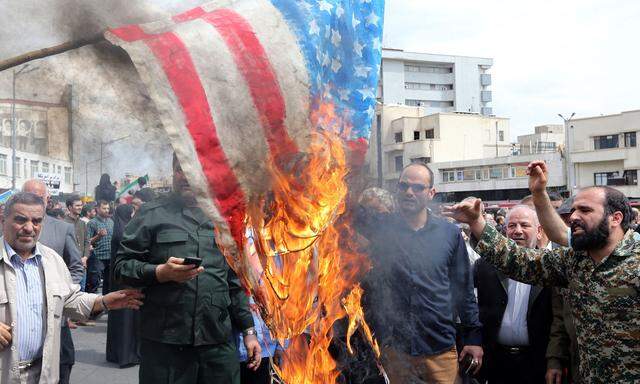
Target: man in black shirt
420 282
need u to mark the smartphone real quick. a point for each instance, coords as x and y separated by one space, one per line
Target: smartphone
192 261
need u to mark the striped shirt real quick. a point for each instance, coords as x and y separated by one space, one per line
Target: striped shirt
29 330
102 247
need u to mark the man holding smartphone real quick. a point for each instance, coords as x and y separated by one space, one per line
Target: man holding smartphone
193 296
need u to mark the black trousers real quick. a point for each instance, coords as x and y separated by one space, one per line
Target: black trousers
508 368
96 270
260 376
67 354
183 364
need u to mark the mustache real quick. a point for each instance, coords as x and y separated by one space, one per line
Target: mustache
577 224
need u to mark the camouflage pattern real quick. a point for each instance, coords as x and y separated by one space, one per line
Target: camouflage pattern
603 297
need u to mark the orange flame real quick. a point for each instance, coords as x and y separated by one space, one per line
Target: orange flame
304 272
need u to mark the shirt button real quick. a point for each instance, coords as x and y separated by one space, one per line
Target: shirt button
13 323
13 348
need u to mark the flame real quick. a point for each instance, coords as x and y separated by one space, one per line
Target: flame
304 271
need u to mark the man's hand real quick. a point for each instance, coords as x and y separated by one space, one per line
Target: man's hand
84 261
5 336
126 298
537 171
174 270
553 376
254 352
101 233
468 211
476 353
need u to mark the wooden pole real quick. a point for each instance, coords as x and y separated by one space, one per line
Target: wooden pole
50 51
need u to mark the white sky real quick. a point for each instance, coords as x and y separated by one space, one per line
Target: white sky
550 57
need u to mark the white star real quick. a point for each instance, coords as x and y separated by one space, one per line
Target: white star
344 94
366 92
362 71
377 44
354 21
372 19
335 37
357 48
335 65
313 28
307 6
339 11
325 6
371 111
325 59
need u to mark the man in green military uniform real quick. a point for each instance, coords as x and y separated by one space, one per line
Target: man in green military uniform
601 271
189 311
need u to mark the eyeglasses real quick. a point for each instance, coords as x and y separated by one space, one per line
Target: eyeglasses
402 186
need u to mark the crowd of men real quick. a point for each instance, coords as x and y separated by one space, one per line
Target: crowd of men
544 292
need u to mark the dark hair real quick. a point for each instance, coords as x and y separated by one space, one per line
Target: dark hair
72 199
555 196
420 163
87 207
146 195
57 213
104 180
616 201
26 198
142 181
101 203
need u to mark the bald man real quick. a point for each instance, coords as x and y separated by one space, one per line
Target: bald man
61 237
516 317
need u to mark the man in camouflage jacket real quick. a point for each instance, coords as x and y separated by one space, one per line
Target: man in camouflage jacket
601 271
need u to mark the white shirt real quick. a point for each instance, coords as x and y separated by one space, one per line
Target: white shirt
513 329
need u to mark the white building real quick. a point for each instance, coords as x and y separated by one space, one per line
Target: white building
494 180
42 143
404 134
547 138
440 83
604 151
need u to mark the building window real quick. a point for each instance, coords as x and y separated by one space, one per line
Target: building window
469 175
18 167
67 175
448 176
397 137
416 135
34 168
459 175
427 69
605 178
500 135
416 103
59 170
478 174
429 134
630 139
399 162
45 167
3 164
605 142
496 173
631 177
545 146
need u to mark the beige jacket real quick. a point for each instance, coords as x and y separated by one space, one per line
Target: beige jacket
61 295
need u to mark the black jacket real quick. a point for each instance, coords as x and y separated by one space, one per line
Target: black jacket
492 288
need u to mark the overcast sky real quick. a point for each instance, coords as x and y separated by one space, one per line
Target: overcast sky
550 57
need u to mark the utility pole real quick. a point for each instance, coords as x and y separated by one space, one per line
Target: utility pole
13 122
569 169
104 144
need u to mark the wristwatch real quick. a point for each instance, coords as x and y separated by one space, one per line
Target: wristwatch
249 331
104 305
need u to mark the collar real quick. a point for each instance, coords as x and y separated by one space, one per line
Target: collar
626 247
13 255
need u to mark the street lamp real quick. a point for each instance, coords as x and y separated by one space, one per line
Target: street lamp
17 73
567 153
104 144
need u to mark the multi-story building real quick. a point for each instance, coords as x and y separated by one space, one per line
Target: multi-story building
403 134
604 151
547 138
42 143
494 180
438 83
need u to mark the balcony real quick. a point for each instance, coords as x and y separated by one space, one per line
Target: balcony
418 148
485 96
486 111
485 79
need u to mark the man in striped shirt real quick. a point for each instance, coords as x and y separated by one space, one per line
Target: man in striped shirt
99 231
35 291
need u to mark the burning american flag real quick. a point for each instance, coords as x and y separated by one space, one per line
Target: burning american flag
267 104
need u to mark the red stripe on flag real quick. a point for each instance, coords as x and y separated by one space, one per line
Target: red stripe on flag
189 15
252 61
130 33
178 66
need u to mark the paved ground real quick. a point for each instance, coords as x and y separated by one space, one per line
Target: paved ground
91 366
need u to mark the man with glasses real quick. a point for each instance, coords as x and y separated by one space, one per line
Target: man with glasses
420 282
